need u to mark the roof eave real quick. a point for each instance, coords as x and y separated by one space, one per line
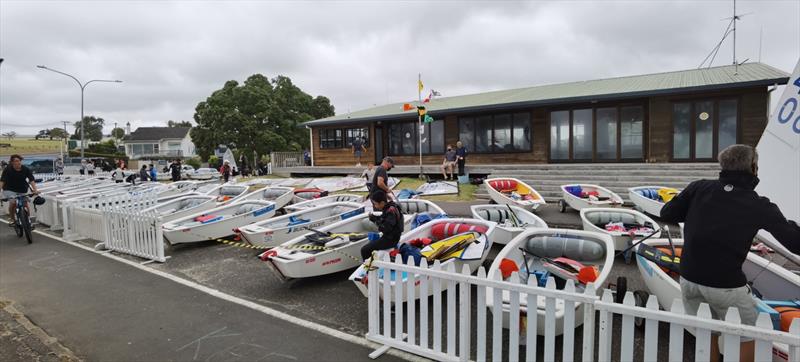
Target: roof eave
557 101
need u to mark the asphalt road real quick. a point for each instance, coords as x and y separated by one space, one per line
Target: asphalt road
103 309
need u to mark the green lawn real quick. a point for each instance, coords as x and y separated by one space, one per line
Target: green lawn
29 146
466 192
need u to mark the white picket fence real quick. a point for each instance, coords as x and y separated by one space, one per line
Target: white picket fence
397 331
134 232
286 159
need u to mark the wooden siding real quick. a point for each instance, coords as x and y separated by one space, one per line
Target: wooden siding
657 144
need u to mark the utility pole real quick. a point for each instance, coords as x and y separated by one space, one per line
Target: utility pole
64 140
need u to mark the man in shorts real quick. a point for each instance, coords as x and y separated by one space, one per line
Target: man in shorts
15 181
721 219
449 163
358 148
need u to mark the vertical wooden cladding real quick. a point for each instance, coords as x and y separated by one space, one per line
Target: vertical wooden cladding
752 118
341 156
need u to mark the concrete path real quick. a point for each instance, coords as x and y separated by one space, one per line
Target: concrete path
103 309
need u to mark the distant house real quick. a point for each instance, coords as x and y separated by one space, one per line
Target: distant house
159 142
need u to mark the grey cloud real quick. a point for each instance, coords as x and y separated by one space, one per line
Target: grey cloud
172 55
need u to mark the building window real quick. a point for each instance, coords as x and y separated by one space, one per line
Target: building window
144 149
496 133
597 134
403 138
352 133
701 129
331 138
631 124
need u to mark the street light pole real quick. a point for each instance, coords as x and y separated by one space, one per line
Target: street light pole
83 87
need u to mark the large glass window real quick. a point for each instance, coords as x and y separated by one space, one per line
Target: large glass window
353 133
606 133
582 134
331 138
403 138
433 137
496 133
559 135
631 124
466 132
522 132
728 125
681 130
703 128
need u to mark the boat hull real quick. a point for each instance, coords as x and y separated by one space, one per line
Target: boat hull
503 199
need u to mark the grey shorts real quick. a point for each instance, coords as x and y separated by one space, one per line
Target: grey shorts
8 194
719 300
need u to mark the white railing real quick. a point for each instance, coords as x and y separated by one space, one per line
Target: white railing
388 326
286 159
132 232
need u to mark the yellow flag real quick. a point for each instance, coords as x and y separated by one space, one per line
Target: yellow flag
419 85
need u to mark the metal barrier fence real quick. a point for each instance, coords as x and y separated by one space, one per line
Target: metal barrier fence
133 232
394 279
286 159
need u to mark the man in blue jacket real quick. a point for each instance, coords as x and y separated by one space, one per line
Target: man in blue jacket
721 219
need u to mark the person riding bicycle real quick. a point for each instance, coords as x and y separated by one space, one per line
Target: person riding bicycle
15 180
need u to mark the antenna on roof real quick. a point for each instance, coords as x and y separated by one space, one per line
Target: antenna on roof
731 29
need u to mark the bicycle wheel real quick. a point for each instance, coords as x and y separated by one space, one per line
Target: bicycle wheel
17 227
26 225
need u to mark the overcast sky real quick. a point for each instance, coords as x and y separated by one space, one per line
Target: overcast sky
172 55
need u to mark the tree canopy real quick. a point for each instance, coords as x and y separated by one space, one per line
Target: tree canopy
172 123
261 115
94 128
118 133
58 133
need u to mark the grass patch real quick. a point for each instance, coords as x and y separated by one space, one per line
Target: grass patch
29 146
466 192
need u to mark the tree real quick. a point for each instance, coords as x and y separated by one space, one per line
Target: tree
107 149
172 123
58 133
261 115
10 135
94 128
117 133
44 133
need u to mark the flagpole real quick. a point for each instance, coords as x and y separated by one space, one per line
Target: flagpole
419 120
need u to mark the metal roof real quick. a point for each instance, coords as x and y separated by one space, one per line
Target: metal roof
156 133
705 79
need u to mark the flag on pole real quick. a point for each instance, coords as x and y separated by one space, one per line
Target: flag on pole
420 86
407 107
428 119
421 110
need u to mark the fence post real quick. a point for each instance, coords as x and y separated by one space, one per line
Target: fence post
676 333
605 331
464 313
588 325
651 332
731 341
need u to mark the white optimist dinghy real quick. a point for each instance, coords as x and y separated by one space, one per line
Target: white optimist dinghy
228 193
393 181
217 223
276 231
580 256
457 241
511 220
438 188
510 191
182 207
281 196
651 199
581 196
178 188
771 280
417 212
331 249
322 201
623 225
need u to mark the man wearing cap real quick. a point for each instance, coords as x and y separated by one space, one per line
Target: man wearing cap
390 224
381 179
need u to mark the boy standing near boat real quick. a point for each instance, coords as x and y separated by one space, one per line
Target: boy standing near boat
721 219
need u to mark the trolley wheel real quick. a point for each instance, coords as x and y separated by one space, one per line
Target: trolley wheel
622 289
640 299
562 205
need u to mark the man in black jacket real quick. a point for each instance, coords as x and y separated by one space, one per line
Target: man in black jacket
721 219
390 223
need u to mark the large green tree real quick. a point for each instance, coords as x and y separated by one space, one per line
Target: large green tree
94 128
58 133
261 115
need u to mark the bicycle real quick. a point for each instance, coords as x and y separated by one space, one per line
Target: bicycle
22 222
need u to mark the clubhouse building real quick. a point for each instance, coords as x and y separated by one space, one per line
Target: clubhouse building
682 116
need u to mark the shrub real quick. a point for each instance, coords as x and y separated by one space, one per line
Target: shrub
194 162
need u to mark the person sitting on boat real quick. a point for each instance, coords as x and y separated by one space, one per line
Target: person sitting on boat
390 224
721 219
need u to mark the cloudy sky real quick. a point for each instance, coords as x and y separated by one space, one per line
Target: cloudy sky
172 55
